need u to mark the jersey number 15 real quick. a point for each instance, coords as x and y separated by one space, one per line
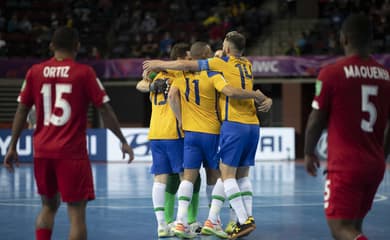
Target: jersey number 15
63 104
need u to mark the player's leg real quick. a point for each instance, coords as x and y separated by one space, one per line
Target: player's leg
75 184
78 226
161 167
46 180
45 220
194 207
173 183
246 188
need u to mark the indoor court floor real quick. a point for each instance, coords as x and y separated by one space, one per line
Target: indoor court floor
287 204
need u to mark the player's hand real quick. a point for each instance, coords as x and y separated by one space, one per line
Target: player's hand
152 65
129 150
265 105
10 159
145 75
312 163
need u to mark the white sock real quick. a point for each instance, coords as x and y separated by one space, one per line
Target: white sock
232 215
184 194
158 196
246 189
209 190
233 193
218 198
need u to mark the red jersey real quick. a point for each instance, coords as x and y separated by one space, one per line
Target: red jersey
61 92
356 94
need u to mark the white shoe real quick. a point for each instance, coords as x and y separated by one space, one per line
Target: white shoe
195 227
164 231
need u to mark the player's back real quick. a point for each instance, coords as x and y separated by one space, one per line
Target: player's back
359 110
163 124
238 73
199 101
61 91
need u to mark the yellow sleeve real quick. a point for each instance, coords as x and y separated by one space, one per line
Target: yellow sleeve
212 64
219 82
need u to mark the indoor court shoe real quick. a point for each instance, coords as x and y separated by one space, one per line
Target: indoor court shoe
229 227
209 228
242 230
183 232
164 232
195 227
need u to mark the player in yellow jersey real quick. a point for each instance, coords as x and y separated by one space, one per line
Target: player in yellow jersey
240 127
166 139
194 102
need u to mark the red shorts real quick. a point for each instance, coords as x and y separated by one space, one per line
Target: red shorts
70 177
350 195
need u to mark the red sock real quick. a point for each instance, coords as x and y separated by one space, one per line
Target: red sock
43 234
361 237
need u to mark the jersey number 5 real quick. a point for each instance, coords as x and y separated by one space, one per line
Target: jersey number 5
367 106
60 102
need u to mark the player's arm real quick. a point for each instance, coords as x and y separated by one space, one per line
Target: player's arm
183 65
143 85
386 145
17 126
111 122
316 124
175 103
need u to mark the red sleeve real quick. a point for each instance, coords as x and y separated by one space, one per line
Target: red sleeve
324 90
95 90
26 94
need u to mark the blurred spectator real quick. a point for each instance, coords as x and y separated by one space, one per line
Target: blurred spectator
149 47
69 20
2 21
292 49
13 24
54 21
25 25
166 45
148 23
213 19
95 54
3 48
136 46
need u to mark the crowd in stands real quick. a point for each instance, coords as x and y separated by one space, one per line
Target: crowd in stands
124 29
323 38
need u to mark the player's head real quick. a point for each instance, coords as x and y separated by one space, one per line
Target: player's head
180 51
200 50
65 39
234 43
356 32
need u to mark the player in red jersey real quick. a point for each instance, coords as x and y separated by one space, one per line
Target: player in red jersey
61 91
352 100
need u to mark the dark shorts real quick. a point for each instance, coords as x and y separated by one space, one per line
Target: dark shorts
72 178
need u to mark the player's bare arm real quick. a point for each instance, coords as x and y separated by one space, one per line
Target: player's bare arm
174 103
11 157
386 145
315 125
143 85
183 65
111 122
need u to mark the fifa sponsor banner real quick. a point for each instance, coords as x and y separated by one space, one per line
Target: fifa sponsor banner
274 144
278 66
96 144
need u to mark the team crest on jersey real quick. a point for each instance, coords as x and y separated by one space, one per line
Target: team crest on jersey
318 87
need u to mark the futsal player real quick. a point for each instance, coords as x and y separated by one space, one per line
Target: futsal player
352 101
61 90
240 128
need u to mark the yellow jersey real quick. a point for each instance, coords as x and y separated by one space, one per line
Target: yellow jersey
163 124
238 73
199 101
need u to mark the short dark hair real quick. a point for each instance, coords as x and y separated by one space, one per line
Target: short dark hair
179 50
237 39
65 38
198 50
357 28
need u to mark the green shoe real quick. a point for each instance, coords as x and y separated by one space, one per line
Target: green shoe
209 228
229 227
183 232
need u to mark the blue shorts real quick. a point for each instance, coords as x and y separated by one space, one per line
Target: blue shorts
238 144
167 156
200 148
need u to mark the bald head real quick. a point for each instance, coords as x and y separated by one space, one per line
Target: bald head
200 50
